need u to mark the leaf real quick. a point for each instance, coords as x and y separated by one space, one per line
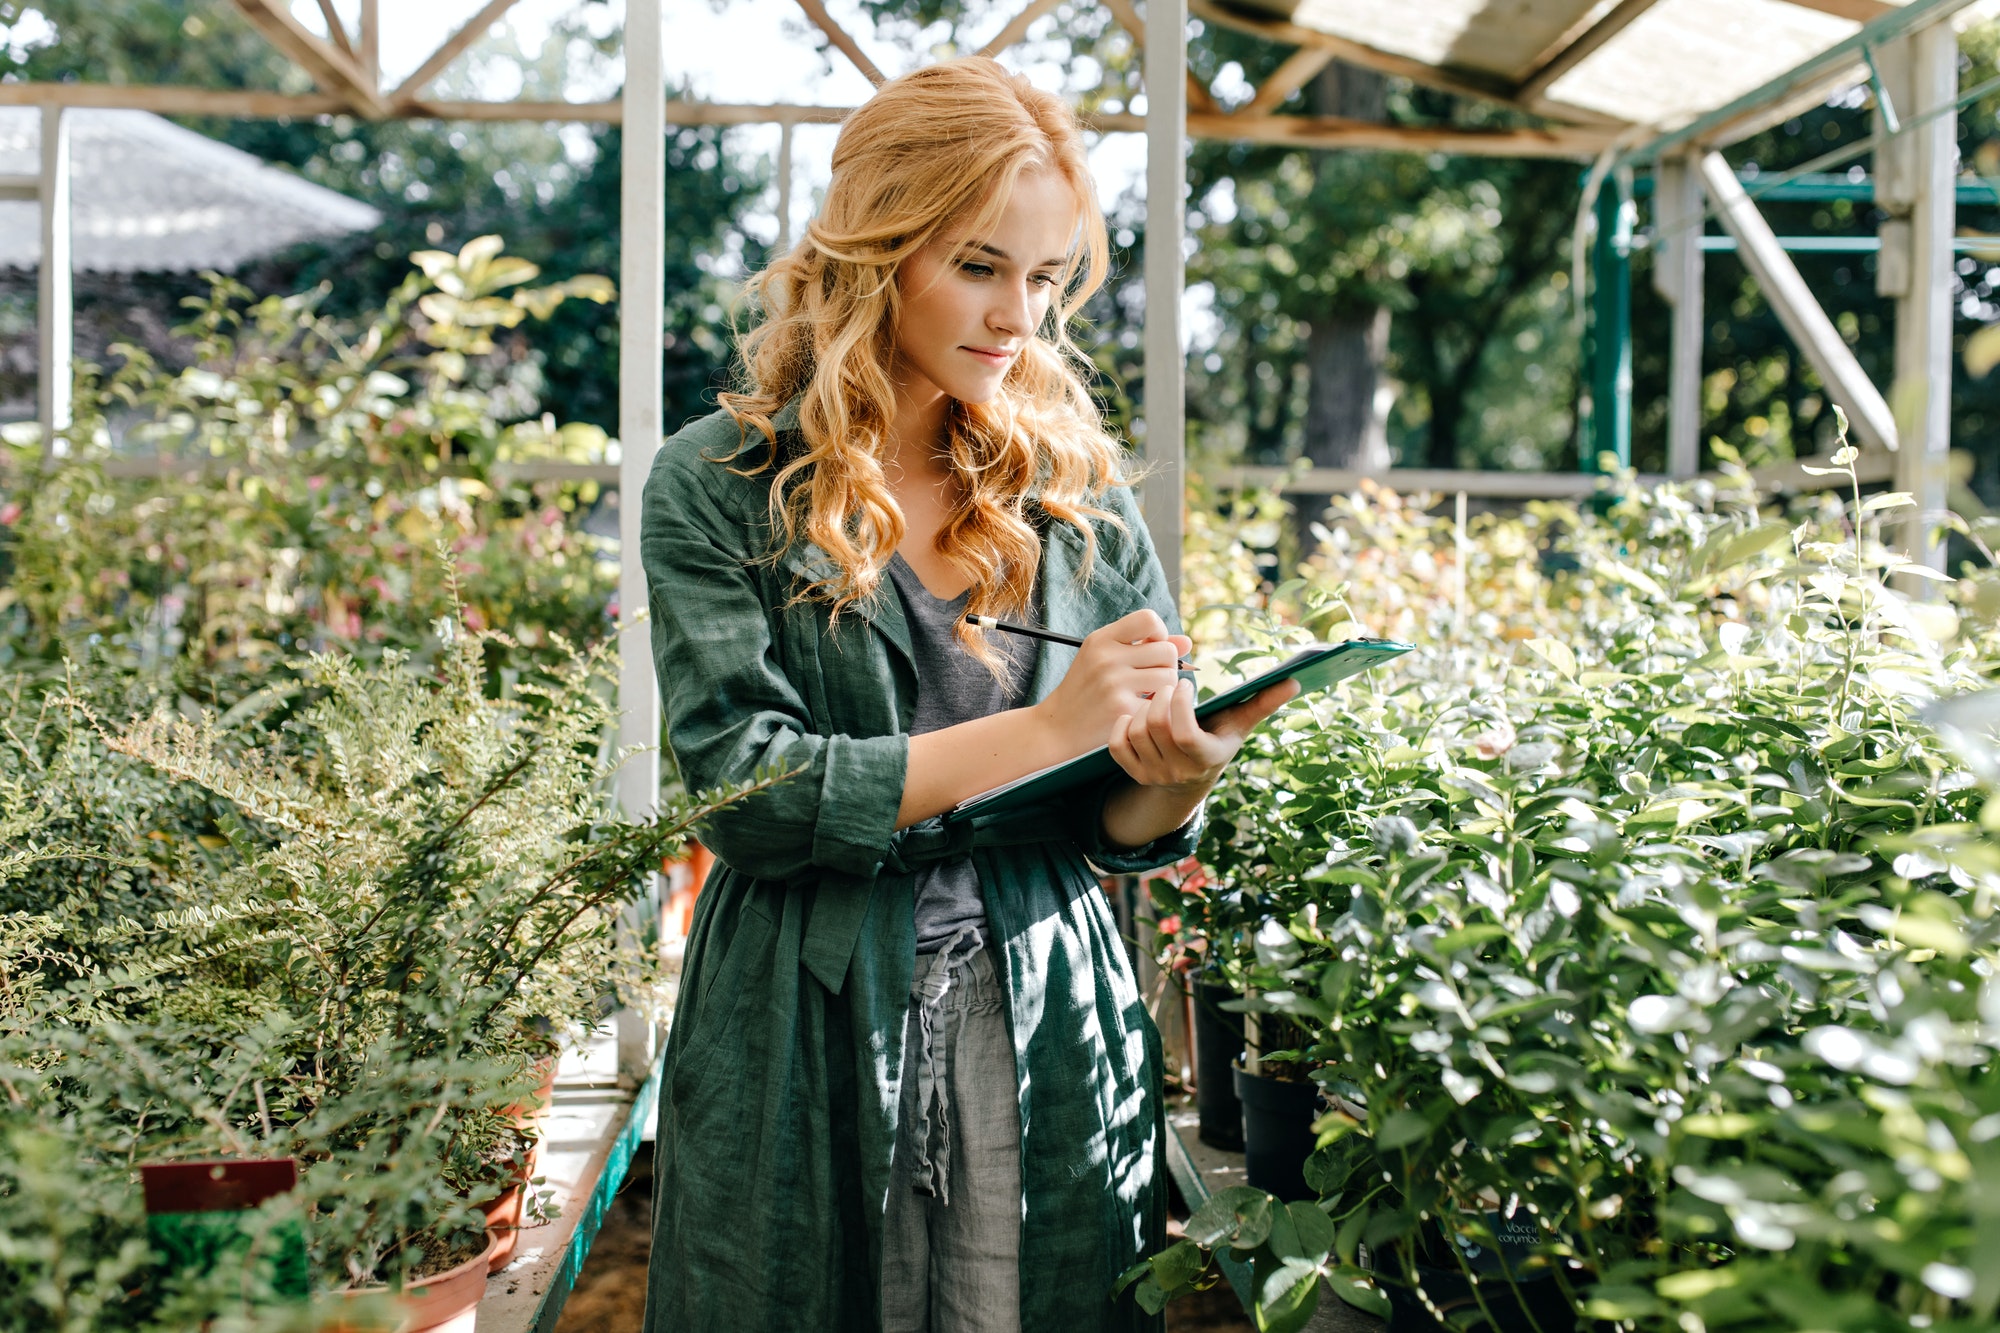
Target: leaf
1315 1230
1982 351
1920 571
1287 1295
1238 1216
1619 1302
1724 551
1358 1289
1347 1243
1929 933
1178 1266
1284 1238
1556 653
1700 1282
1893 500
479 249
1467 937
1613 569
1402 1129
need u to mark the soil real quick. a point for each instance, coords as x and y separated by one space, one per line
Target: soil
439 1258
610 1296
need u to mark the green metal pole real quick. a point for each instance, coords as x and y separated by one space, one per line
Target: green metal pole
1610 426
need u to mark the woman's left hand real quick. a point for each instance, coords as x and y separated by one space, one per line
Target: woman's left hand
1166 746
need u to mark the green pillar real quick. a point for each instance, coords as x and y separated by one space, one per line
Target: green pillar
1608 429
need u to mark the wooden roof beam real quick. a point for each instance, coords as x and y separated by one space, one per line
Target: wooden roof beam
451 49
1861 11
336 29
1575 142
1576 46
329 68
1464 82
1017 27
1128 19
1299 69
369 46
1199 99
836 34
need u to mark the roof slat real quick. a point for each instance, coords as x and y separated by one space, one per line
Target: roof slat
1466 82
1826 68
1576 47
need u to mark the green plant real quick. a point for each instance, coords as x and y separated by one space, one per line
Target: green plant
314 465
1666 932
414 883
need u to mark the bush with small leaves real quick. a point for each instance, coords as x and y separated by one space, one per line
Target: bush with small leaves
1668 942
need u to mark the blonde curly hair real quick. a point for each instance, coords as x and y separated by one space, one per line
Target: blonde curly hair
935 151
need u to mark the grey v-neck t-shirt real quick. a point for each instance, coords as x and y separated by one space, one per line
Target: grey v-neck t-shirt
953 686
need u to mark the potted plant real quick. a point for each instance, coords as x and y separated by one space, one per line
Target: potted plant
1195 921
1597 933
1280 1102
413 882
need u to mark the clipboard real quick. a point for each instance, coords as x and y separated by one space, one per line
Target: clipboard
1315 669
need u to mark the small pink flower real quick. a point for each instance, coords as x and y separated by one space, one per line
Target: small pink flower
9 514
1495 741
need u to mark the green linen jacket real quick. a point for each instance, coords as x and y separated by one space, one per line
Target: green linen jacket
779 1095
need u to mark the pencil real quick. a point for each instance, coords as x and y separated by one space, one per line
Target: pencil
1046 635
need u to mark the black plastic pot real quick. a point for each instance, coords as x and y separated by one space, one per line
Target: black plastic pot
1277 1133
1533 1303
1218 1045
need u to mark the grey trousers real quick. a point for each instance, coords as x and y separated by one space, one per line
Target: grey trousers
952 1237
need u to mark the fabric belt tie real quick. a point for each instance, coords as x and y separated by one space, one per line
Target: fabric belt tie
840 902
934 983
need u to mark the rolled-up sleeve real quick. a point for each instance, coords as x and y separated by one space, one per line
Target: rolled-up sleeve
1165 850
731 711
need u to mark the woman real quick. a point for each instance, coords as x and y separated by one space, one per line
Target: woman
911 1084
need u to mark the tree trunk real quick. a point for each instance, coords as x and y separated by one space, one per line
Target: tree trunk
1346 413
1447 411
1346 421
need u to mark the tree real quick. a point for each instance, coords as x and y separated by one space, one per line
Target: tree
553 196
1347 344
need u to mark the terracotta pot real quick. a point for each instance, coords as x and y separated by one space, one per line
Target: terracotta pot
446 1300
507 1213
527 1115
503 1221
686 874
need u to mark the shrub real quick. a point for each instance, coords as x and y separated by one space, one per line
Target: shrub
416 887
314 466
1647 933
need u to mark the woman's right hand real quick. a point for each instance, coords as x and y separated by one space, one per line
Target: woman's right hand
1119 668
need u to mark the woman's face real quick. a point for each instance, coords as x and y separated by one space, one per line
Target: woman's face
970 303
